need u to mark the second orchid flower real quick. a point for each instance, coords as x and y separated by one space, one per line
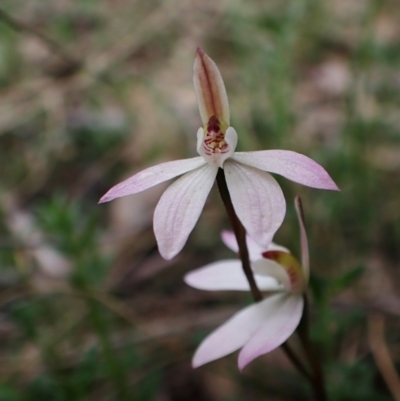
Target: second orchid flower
265 325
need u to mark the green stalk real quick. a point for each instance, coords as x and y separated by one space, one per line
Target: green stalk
115 370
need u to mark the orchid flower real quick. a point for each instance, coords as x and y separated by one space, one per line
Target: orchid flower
265 325
250 185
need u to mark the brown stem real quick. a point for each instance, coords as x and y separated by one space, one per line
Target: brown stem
296 361
304 335
240 234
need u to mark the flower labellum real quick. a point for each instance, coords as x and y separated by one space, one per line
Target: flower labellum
251 187
265 325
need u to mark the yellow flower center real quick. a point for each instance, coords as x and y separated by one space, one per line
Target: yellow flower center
292 267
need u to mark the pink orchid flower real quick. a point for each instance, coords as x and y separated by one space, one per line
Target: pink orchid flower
250 185
265 325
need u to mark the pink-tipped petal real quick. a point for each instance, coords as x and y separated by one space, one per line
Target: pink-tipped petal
232 335
282 316
293 166
229 239
255 251
179 209
152 176
258 201
305 256
209 88
227 275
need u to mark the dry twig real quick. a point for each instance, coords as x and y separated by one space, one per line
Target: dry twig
381 353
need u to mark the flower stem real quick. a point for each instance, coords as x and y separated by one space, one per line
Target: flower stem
240 234
304 335
296 361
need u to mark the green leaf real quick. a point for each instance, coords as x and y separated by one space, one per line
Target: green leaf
347 279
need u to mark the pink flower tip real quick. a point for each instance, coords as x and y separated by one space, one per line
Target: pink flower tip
333 186
243 362
199 51
105 199
195 364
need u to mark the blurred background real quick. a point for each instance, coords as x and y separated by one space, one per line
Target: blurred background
92 91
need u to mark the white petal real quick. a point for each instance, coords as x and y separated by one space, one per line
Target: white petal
293 166
305 256
229 239
152 176
232 335
179 209
227 275
209 88
255 251
282 314
276 247
269 268
258 201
